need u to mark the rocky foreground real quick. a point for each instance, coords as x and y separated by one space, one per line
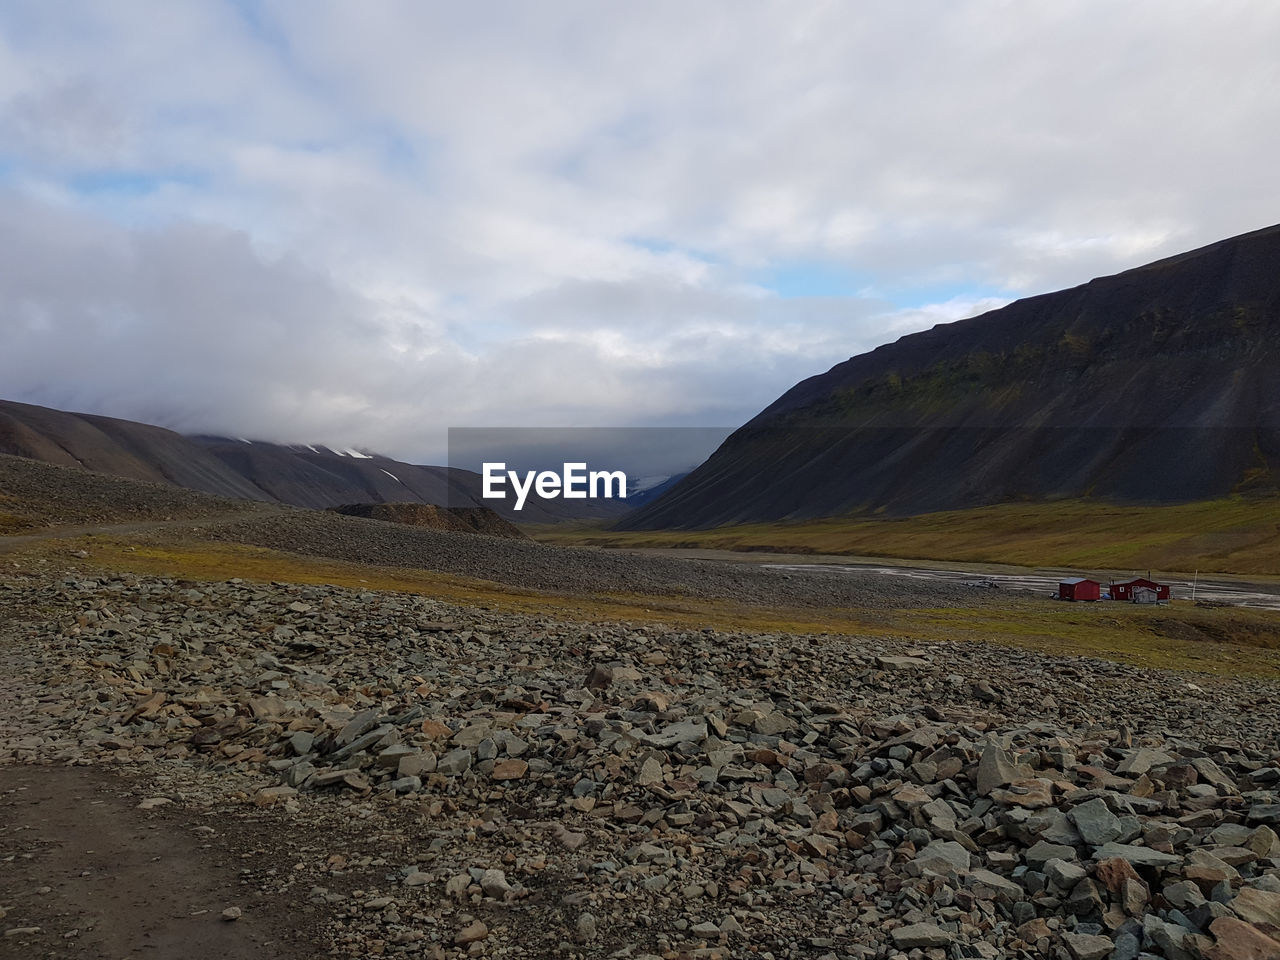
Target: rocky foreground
456 782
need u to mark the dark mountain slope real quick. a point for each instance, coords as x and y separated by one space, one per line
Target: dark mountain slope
121 448
303 476
318 477
1158 384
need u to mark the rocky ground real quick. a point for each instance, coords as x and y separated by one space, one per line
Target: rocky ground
402 777
35 495
460 519
582 570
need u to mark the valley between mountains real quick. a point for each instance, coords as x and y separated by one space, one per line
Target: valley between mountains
812 700
371 739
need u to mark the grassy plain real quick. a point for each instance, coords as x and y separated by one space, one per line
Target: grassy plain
1239 536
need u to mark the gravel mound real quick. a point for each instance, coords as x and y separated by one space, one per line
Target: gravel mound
454 782
40 494
480 520
581 569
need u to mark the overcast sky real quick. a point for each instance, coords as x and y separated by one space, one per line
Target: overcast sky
362 223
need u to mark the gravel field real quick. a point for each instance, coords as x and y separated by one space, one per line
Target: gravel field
394 776
41 494
582 570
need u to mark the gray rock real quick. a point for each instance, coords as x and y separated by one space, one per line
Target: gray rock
1054 826
1138 856
944 857
772 724
301 742
1167 937
692 731
360 724
1212 774
494 884
1002 886
363 742
650 772
1041 853
390 757
1095 822
1268 813
417 764
1064 873
1185 895
920 935
455 762
996 768
1085 946
1142 760
1127 946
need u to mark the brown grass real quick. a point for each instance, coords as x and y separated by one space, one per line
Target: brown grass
1234 536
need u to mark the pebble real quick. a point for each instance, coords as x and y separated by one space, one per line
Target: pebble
472 933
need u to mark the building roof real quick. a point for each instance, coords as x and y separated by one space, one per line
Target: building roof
1079 580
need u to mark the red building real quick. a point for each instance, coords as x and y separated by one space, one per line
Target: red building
1080 588
1124 591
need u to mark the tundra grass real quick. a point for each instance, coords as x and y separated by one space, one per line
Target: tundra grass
1231 641
1224 641
1233 536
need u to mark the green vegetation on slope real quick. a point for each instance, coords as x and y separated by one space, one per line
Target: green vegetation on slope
1236 536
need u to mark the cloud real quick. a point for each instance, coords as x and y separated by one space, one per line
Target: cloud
191 327
360 224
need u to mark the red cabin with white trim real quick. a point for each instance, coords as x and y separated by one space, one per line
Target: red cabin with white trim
1124 591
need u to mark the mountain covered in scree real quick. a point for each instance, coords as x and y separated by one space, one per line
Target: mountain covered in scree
1159 384
298 474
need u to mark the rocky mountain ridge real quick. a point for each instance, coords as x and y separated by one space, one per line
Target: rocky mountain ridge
1159 384
300 475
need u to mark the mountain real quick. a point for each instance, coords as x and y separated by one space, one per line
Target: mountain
121 448
650 489
316 476
305 476
1159 384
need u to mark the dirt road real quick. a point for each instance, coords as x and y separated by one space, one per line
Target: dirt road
85 874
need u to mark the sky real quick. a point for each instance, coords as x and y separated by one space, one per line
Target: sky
360 224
